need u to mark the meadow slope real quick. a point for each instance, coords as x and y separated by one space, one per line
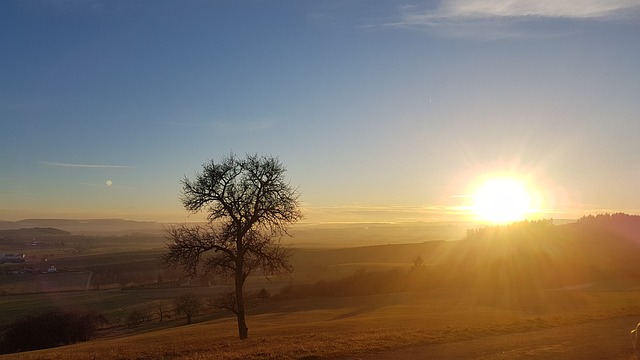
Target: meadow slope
362 327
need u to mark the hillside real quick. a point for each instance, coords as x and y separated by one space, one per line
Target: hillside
512 278
88 227
349 235
305 235
29 233
603 249
367 327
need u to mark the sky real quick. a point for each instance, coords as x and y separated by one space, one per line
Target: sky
380 110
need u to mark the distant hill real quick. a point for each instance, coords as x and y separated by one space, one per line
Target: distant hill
32 232
88 227
376 254
500 264
369 234
595 249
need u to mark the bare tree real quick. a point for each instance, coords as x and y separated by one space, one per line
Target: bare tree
228 301
161 309
249 206
189 305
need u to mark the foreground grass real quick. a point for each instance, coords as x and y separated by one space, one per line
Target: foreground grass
330 327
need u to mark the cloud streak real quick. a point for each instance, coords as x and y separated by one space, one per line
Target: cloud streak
576 9
86 166
500 18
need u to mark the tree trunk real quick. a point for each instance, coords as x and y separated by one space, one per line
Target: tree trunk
243 331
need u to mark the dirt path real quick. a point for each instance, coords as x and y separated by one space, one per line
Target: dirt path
603 339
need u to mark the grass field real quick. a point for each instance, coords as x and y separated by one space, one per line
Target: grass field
342 327
583 291
19 284
115 304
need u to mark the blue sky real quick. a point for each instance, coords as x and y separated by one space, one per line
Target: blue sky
381 110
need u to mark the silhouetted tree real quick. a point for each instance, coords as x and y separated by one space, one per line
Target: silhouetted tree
250 206
160 307
189 305
418 265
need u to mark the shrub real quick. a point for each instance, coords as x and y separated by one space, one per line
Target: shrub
139 315
263 294
50 329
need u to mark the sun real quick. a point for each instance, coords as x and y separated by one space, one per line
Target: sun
502 200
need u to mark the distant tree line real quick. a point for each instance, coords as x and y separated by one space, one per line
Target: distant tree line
189 305
133 278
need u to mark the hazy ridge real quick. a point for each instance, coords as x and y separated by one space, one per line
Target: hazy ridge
85 226
329 235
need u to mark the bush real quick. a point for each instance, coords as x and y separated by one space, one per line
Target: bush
139 315
50 329
263 294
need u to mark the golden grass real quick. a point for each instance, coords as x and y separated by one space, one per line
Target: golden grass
327 327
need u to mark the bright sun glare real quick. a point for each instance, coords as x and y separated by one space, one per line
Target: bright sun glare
502 200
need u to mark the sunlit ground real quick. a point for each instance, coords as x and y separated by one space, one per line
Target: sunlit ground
327 327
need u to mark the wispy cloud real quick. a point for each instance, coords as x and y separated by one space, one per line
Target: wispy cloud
505 18
90 166
576 9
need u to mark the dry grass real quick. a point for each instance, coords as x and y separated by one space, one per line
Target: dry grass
329 327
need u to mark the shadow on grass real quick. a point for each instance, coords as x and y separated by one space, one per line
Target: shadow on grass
359 311
371 304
